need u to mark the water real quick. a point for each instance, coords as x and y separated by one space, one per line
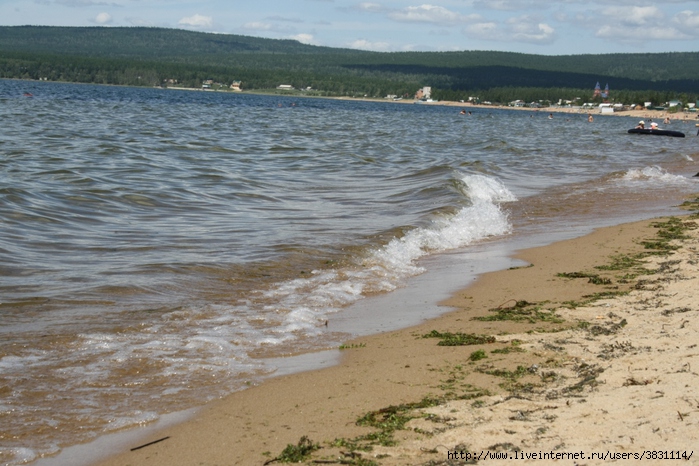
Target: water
159 247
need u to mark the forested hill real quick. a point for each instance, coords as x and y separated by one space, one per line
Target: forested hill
143 43
148 56
175 44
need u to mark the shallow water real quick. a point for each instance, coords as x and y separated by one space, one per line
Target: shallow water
157 246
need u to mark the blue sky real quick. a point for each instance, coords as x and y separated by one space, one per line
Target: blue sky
547 27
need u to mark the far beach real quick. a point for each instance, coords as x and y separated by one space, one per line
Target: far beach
596 110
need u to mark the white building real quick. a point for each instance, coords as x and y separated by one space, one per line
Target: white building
424 93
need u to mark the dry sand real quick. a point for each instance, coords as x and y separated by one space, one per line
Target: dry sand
615 375
677 121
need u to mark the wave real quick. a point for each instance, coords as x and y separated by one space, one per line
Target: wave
652 174
381 269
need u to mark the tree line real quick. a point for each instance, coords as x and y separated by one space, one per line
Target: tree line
156 56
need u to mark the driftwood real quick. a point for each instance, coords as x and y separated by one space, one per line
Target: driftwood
149 443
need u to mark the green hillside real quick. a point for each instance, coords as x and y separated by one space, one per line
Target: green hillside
143 43
151 56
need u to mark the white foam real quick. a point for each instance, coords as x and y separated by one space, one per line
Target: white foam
136 418
653 174
481 219
306 301
22 455
487 189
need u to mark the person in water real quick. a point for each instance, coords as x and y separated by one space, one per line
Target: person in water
589 118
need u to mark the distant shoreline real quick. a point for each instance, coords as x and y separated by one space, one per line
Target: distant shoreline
595 111
644 114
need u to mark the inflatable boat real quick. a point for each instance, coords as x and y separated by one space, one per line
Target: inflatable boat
657 132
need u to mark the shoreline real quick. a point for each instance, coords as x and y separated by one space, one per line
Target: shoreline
684 117
595 111
400 368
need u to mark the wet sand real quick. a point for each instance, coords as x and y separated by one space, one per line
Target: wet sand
566 373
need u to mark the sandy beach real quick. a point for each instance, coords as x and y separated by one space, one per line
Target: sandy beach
643 114
686 122
590 349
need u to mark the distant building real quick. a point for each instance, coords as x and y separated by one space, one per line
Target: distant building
599 93
424 93
235 86
285 87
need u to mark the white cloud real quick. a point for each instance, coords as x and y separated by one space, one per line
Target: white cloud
688 22
257 26
636 16
431 14
140 22
285 19
368 6
486 31
639 35
638 25
519 29
634 25
197 22
539 5
502 5
80 3
305 39
526 29
366 45
103 18
533 5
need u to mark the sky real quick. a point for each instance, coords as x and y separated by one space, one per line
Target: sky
547 27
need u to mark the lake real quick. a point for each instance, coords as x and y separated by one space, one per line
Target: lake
163 248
